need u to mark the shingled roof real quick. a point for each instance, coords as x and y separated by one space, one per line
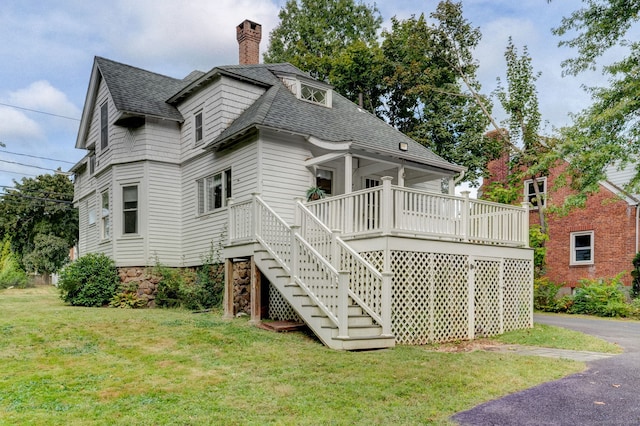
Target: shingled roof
138 91
279 108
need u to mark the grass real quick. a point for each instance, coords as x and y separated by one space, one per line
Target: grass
556 337
62 365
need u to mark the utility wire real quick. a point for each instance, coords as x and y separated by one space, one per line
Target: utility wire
40 112
35 156
30 165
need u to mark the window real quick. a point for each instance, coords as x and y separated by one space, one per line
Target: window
582 248
92 164
105 216
213 191
130 209
104 126
310 91
324 180
198 127
313 94
530 192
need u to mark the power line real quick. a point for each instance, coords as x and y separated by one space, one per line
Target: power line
40 112
30 165
35 156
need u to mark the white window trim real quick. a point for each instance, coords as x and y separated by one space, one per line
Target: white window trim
136 209
573 260
295 86
105 216
206 201
197 141
527 195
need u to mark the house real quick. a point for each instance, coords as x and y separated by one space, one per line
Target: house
226 156
594 242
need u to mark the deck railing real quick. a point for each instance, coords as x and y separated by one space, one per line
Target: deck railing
325 267
388 210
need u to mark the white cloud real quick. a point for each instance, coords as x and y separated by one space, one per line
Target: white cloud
42 96
198 34
16 126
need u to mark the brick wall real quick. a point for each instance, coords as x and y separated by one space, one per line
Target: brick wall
612 220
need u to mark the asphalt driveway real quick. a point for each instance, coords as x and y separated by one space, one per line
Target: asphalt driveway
607 393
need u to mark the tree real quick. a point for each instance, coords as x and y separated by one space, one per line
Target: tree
39 206
332 40
607 132
428 68
49 254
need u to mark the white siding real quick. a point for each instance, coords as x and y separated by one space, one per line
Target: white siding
130 250
163 200
284 176
200 231
221 102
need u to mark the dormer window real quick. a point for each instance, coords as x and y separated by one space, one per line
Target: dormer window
315 92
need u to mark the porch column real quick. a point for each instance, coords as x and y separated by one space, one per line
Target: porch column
228 289
401 176
348 174
386 206
348 188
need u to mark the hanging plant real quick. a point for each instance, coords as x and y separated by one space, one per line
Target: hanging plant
315 193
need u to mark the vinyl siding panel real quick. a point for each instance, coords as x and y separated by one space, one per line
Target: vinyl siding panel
200 231
220 103
163 210
284 176
131 249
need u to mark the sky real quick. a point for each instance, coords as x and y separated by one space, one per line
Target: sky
48 47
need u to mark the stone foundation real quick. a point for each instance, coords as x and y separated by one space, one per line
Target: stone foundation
145 282
242 287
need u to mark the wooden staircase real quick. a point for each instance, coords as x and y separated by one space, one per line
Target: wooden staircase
362 332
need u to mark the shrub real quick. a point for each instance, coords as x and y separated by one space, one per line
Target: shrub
92 280
600 297
127 298
544 295
635 285
195 289
11 274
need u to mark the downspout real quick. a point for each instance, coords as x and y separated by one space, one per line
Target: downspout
637 222
452 188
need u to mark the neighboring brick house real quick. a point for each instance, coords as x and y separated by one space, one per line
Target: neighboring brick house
597 241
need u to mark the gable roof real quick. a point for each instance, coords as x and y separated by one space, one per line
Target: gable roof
138 93
278 108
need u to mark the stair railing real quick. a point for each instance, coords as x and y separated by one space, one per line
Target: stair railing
367 287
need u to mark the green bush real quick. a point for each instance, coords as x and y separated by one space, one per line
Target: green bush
544 295
11 274
600 297
195 289
92 280
127 298
635 285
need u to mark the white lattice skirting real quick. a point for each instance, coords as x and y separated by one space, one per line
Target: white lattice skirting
439 297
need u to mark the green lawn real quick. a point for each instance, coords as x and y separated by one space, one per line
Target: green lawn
68 366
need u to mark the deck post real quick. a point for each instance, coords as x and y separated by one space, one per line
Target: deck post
295 229
335 249
256 293
231 220
256 217
464 228
386 303
228 289
386 205
471 299
343 306
525 223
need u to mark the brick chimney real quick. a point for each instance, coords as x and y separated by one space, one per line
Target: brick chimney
249 35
